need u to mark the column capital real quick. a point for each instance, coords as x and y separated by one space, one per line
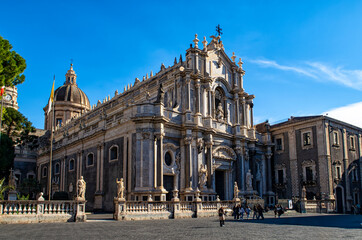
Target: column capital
187 140
159 135
239 150
209 144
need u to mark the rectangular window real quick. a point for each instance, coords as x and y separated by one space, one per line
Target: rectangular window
309 174
279 144
335 138
306 139
338 172
352 145
58 122
280 176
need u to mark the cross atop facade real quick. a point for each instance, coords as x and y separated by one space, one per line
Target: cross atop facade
218 30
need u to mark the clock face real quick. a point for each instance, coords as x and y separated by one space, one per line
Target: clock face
8 97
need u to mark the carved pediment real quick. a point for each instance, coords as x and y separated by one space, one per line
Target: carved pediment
224 153
308 162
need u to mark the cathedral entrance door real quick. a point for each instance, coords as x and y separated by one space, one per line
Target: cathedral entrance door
220 184
168 185
339 196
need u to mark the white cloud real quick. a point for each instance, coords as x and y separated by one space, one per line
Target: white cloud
351 114
273 64
321 72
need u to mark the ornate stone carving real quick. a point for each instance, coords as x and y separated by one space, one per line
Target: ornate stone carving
187 140
224 152
219 113
308 163
200 145
249 181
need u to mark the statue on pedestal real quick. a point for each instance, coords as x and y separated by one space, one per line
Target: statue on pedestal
81 185
236 190
120 188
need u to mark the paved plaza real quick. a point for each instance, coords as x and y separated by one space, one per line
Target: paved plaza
306 226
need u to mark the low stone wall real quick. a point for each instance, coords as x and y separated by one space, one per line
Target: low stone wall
36 211
131 210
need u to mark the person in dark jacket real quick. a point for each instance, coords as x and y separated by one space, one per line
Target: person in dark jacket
221 216
260 210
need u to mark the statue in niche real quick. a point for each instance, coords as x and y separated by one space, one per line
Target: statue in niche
81 185
202 176
249 180
219 112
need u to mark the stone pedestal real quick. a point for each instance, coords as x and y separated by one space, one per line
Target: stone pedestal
80 211
119 208
98 201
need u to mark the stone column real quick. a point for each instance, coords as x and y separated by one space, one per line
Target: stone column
213 104
328 161
209 95
197 86
268 160
360 156
98 167
239 166
251 115
159 137
345 165
244 118
237 109
188 158
295 183
264 177
188 90
208 146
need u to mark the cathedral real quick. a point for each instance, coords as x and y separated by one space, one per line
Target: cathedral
188 127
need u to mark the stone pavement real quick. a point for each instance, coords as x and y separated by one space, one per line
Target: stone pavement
291 226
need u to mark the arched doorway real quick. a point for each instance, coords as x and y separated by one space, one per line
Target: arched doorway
339 199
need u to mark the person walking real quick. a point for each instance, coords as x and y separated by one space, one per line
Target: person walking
260 212
255 210
280 210
221 216
275 210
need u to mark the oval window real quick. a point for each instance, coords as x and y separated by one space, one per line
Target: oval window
168 159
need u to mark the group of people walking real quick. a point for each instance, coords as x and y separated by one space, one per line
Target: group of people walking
239 211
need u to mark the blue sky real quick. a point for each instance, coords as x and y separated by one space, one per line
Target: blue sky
300 57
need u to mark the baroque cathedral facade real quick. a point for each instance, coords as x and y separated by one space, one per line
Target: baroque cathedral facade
188 127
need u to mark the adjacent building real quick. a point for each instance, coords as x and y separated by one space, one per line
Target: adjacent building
320 153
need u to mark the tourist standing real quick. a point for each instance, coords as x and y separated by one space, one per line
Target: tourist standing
280 210
275 210
221 216
241 212
247 210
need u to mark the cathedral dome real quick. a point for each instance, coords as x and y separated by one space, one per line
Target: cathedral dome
69 102
70 92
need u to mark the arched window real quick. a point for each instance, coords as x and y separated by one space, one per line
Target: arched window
113 153
71 164
57 168
168 159
90 159
45 171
